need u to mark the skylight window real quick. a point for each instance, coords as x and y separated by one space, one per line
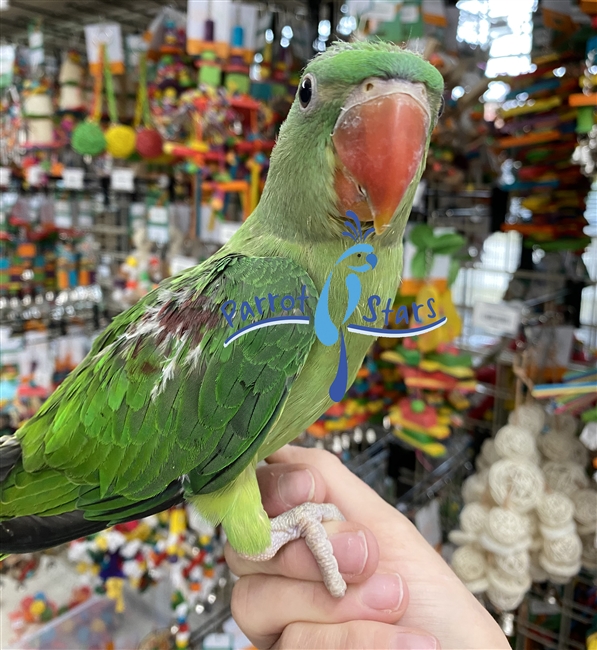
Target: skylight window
505 27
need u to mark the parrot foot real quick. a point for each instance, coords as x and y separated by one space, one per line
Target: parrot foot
306 521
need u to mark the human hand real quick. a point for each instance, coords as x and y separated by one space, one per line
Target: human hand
283 603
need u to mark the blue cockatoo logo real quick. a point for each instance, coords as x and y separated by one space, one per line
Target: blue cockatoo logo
361 258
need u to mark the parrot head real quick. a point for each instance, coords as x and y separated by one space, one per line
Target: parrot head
356 138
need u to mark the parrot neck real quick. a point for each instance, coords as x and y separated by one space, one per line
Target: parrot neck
318 257
317 226
293 215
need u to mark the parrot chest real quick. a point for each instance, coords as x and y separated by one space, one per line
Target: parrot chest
309 396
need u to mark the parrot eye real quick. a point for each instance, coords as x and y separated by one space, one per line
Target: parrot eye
306 91
440 110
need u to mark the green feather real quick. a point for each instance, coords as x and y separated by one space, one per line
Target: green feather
110 468
118 389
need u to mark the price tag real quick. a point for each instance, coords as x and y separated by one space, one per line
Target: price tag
158 234
122 179
85 221
4 176
198 13
502 319
7 58
35 175
409 14
62 214
138 210
111 35
73 178
8 199
158 215
36 39
381 10
137 215
85 215
63 221
434 13
98 203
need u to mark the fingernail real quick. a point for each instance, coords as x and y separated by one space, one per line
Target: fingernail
382 592
351 552
296 487
405 641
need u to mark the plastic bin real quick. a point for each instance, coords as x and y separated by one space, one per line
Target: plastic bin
89 626
95 625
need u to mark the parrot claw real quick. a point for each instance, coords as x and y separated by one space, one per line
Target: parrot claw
306 521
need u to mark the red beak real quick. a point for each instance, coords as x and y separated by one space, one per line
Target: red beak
380 140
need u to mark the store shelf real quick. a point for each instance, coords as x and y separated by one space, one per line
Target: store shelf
553 618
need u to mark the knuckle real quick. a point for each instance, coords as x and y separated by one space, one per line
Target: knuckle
240 603
292 637
354 634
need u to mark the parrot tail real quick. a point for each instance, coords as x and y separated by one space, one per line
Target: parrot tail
29 533
33 533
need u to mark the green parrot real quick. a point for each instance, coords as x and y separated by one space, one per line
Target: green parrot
166 406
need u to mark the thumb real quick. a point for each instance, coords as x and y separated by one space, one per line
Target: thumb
356 500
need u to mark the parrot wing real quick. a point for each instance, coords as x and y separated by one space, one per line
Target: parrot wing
160 396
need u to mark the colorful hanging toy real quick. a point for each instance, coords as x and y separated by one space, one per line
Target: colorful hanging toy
149 140
120 138
88 139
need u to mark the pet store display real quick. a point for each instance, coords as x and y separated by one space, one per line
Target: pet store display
530 513
138 154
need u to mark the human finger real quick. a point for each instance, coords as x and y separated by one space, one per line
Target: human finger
263 606
355 500
353 635
286 485
439 602
355 549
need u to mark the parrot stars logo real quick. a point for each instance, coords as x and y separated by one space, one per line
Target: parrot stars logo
326 331
359 258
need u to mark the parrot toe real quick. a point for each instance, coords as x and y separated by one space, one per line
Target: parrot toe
306 521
